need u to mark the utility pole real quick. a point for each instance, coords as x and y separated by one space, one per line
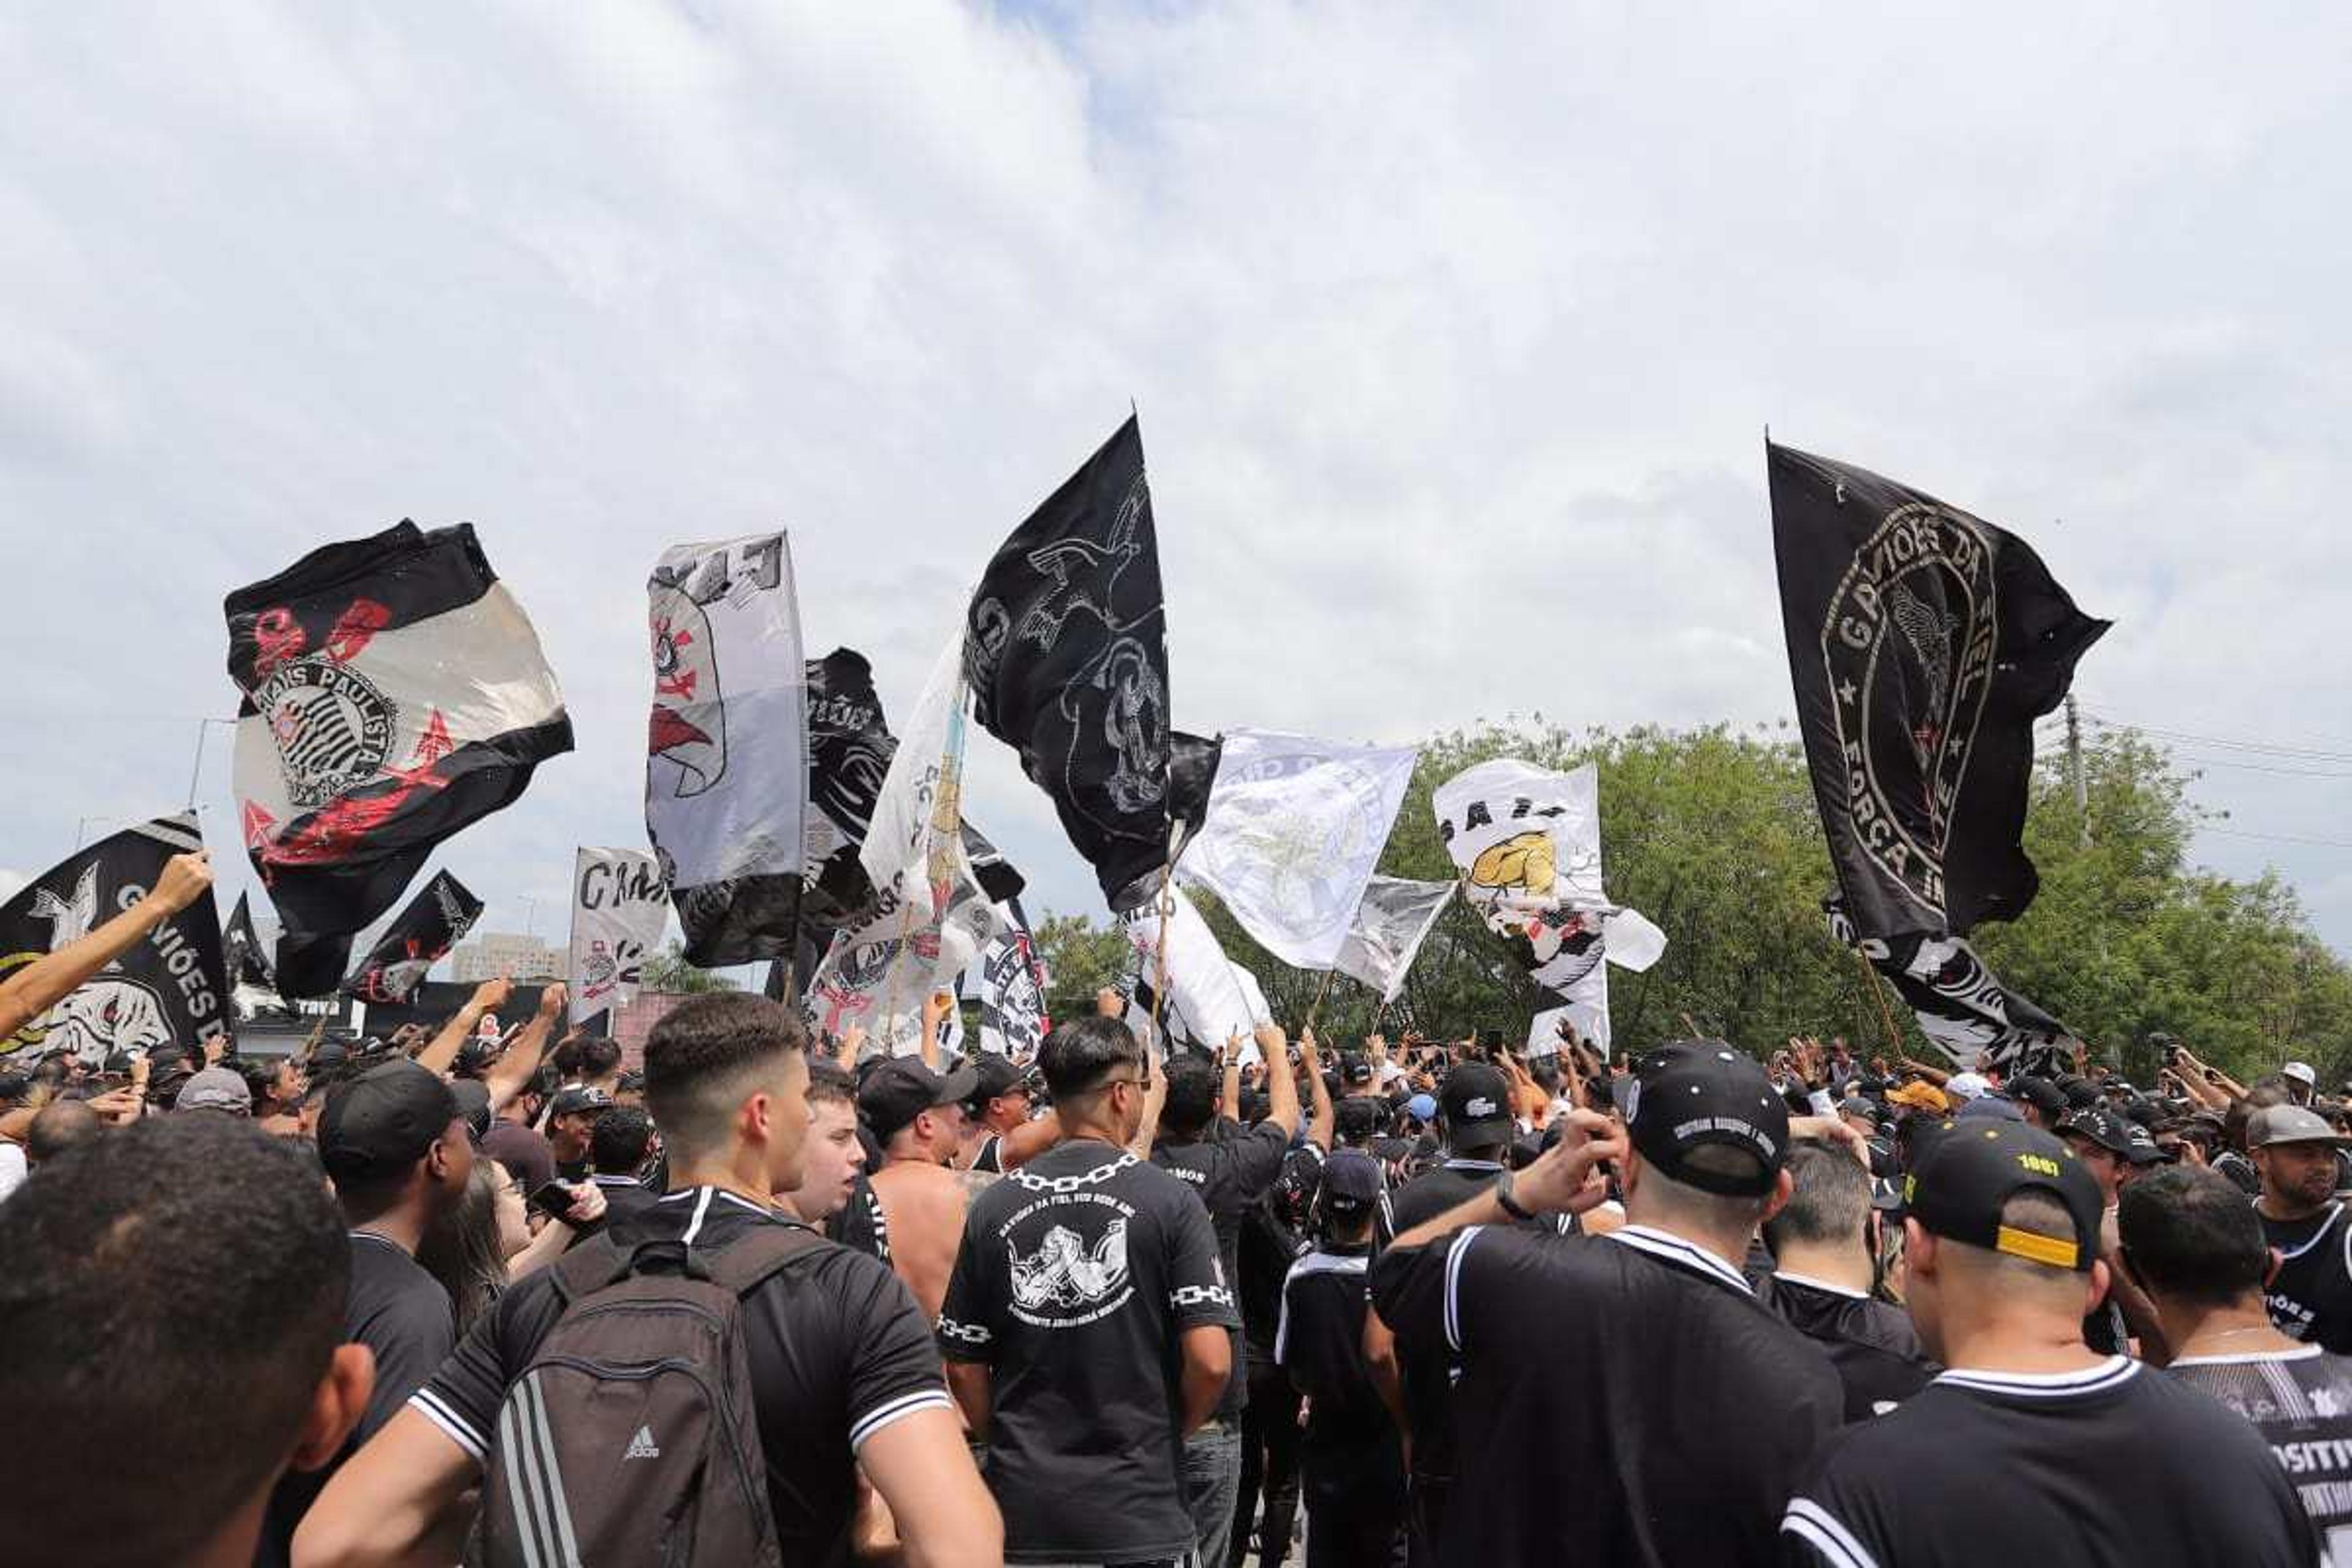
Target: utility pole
2074 768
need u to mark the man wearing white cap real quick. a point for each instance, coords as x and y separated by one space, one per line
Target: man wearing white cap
2301 1081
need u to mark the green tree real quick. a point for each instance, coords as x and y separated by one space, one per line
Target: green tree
1080 958
669 971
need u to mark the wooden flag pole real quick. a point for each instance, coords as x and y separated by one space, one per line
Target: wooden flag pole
1316 1005
1886 1013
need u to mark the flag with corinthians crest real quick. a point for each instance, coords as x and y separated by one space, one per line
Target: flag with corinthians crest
394 692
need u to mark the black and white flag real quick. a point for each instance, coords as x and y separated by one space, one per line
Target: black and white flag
392 692
170 989
1923 643
435 920
1012 1017
727 765
1962 1005
619 907
1067 655
247 960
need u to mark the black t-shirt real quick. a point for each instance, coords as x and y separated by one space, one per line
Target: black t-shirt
1270 1244
625 1197
1872 1343
400 1313
860 1226
1427 1371
2310 1297
1231 1175
1320 1342
1078 1276
1623 1398
838 1351
2113 1464
2301 1402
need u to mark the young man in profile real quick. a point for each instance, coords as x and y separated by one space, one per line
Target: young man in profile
197 1267
843 1372
1087 1324
2197 1247
2032 1448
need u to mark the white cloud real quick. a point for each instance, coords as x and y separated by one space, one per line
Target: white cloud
1453 335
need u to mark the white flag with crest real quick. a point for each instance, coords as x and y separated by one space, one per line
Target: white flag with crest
619 906
1294 828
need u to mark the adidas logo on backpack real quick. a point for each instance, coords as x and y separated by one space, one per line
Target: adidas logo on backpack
641 1447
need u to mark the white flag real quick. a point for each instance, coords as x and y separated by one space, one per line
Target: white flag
1528 843
727 768
618 908
1011 1003
1391 922
1294 828
932 920
1585 1011
1206 1000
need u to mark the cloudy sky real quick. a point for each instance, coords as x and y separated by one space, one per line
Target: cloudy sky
1454 330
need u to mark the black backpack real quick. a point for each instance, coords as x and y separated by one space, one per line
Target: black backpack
630 1438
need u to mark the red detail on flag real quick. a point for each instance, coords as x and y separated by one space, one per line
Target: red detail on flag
277 636
259 826
356 628
435 744
670 728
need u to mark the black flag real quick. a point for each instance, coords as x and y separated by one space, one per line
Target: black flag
171 988
1962 1007
1067 654
435 920
850 747
392 692
241 949
1923 644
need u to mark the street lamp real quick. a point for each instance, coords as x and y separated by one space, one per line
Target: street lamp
203 728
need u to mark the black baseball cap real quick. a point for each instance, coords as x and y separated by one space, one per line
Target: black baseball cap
1356 1068
994 1075
383 1122
1352 1180
1967 1176
579 1101
902 1089
1694 1094
1475 1101
2039 1093
2101 1127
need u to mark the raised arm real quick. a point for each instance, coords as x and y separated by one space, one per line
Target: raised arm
51 978
1281 1083
521 1062
441 1053
1324 1121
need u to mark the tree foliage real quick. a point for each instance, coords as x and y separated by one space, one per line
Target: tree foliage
669 971
1714 834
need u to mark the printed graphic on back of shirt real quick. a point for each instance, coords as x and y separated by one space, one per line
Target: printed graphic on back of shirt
1075 1271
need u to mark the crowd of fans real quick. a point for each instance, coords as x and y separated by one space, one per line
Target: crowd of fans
446 1295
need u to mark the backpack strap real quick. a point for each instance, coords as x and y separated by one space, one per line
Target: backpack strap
758 1254
588 1267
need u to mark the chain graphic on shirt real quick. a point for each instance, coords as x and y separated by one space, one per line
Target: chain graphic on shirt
1026 1178
1199 1295
965 1333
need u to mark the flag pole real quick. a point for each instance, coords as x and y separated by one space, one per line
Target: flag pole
1885 1014
1316 1005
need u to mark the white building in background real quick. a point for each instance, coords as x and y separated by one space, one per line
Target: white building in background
493 953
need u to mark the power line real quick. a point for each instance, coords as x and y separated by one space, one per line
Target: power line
2264 768
2280 837
2274 748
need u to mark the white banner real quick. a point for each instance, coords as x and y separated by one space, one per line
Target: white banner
1391 921
618 908
1528 843
932 918
1294 828
727 763
1207 998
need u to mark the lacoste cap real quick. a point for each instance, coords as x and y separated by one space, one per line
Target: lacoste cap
1475 1101
1967 1175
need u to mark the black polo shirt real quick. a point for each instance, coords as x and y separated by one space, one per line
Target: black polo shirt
2114 1464
1871 1342
1623 1398
1230 1170
2310 1297
625 1197
403 1315
1320 1342
1078 1276
838 1351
